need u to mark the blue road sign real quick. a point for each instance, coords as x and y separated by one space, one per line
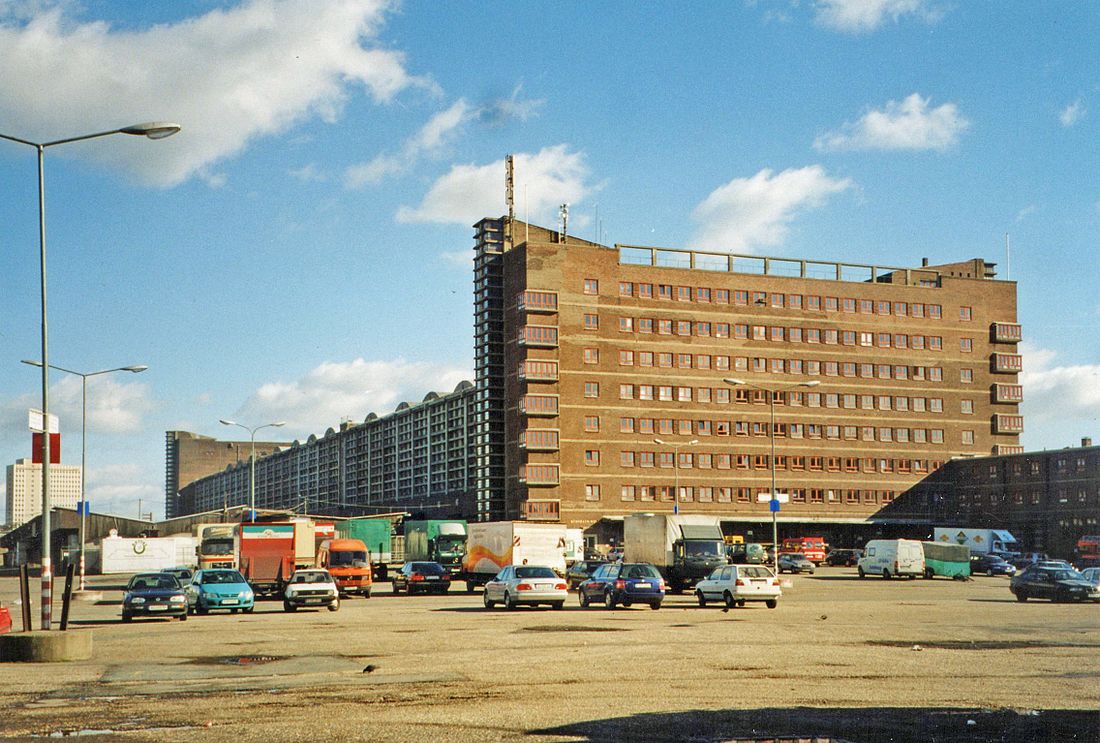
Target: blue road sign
773 505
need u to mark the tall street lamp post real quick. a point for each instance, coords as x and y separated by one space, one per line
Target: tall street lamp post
773 505
252 460
676 468
152 130
136 369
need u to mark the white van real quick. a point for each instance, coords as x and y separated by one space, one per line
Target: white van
892 557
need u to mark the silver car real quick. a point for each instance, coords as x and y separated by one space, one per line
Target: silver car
526 584
1092 575
736 584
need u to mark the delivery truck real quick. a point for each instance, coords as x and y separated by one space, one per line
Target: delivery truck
268 553
216 546
980 541
348 562
377 534
436 540
494 545
685 548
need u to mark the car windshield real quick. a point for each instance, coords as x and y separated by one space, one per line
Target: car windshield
217 546
535 572
147 582
636 572
348 558
693 548
222 576
311 577
755 572
428 568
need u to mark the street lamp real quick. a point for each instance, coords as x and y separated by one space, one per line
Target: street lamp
136 369
676 468
773 506
252 460
152 130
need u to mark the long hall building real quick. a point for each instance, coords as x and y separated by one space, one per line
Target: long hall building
619 379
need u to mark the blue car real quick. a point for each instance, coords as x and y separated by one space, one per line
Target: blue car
153 594
219 588
623 583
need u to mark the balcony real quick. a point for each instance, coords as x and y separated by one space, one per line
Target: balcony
1008 423
539 371
999 449
542 510
1008 393
538 336
1006 363
1006 332
539 405
539 474
537 301
539 439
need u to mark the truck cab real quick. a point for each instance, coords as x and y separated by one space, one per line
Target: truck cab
348 561
695 556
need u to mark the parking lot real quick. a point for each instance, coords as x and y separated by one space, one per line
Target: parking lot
840 658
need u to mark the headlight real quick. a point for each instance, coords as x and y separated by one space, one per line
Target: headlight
137 600
177 599
245 595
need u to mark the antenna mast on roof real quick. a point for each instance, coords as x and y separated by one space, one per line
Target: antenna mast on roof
509 196
563 210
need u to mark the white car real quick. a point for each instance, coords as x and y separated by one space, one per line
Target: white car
311 587
526 584
736 584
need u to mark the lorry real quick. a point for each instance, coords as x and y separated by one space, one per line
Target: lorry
268 552
436 540
980 541
892 558
812 548
377 535
492 546
215 548
685 548
348 562
141 555
948 560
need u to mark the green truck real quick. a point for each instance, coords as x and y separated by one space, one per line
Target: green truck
948 560
436 540
377 534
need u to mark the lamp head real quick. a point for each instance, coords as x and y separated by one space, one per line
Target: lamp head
811 383
136 368
152 129
228 423
30 362
733 381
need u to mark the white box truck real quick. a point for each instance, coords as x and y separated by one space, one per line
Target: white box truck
127 555
574 545
892 558
980 541
685 548
494 545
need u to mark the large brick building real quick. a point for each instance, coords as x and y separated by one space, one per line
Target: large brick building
600 378
190 456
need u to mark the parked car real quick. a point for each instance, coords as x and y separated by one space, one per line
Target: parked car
623 583
526 584
1056 584
736 584
426 577
581 571
794 562
5 619
311 587
1092 575
183 575
152 595
843 557
990 565
219 588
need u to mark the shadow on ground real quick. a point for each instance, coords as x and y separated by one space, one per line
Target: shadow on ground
844 725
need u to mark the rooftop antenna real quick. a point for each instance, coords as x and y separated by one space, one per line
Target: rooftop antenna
563 210
509 195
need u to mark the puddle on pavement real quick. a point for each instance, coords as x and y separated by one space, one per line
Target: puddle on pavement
570 628
977 644
236 660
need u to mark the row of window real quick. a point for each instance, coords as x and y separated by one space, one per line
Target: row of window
721 395
707 494
1035 497
723 461
744 297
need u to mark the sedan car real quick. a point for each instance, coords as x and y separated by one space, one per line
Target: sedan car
990 565
426 577
311 587
219 588
736 584
581 571
1056 584
843 558
794 562
154 594
1092 575
623 583
525 584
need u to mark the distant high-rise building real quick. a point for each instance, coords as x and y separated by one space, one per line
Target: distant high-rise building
24 496
189 456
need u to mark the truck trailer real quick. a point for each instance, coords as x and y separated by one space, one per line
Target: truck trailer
980 541
436 540
494 545
948 560
269 552
377 534
685 548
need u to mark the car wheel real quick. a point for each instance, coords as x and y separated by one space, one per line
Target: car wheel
248 609
886 574
608 600
509 602
626 604
1021 597
655 605
861 573
334 606
232 611
990 573
741 603
557 604
702 599
396 588
727 598
582 597
183 617
287 606
200 609
485 600
771 603
928 573
127 617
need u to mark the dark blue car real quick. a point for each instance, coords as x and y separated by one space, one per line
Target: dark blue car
154 594
623 583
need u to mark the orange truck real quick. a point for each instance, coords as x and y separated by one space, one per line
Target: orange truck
348 561
812 547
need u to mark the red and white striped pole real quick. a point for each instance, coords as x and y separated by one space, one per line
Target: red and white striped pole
47 593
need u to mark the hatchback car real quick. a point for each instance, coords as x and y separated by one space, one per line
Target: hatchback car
843 558
581 571
1056 584
525 584
735 584
311 587
991 565
794 562
154 594
183 575
423 577
219 588
623 583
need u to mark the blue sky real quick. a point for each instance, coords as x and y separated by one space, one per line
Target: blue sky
301 250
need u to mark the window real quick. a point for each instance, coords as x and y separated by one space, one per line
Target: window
591 355
721 330
722 296
626 324
665 459
591 321
626 425
702 294
645 291
591 492
592 423
626 358
591 286
966 407
916 309
626 392
645 392
702 329
645 325
626 289
664 393
702 394
592 457
683 327
683 394
848 304
626 459
966 345
967 438
683 293
966 376
645 358
740 296
664 291
935 311
702 361
794 335
664 327
591 389
966 313
627 493
794 301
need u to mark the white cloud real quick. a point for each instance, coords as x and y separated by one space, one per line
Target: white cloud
460 258
502 110
337 390
544 180
1053 392
747 212
864 16
900 125
1072 113
227 77
308 173
1026 212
